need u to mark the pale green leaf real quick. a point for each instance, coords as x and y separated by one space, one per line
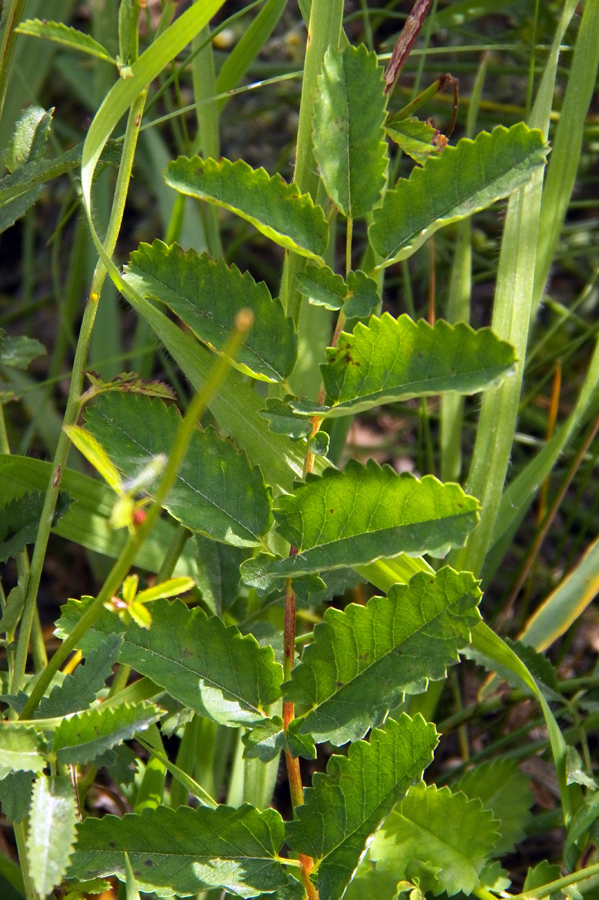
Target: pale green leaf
358 298
366 513
349 135
17 352
207 295
396 359
186 850
86 735
21 749
463 180
364 657
275 208
65 35
416 138
344 807
95 454
504 790
29 139
78 689
216 492
446 832
20 519
52 822
189 655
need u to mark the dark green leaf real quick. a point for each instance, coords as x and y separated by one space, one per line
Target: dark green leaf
217 575
264 741
358 298
207 295
275 208
52 821
15 795
349 135
186 850
217 492
79 689
20 521
397 359
120 762
447 832
345 806
283 420
86 735
364 658
462 180
366 513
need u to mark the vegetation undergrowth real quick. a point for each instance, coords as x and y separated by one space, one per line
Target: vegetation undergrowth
294 656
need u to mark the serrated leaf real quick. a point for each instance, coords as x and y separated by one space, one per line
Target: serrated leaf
349 135
364 658
217 492
275 208
17 352
504 790
282 419
493 878
21 749
130 383
463 180
366 513
20 520
543 873
15 795
418 139
207 295
65 35
189 655
358 298
52 822
79 689
396 359
217 576
445 831
186 850
86 735
29 138
264 741
344 807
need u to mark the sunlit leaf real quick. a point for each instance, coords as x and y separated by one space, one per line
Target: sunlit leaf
52 821
65 35
21 749
416 138
86 735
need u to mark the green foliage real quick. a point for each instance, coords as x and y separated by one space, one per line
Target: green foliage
53 817
88 734
358 297
68 37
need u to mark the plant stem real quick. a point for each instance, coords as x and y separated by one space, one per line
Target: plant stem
20 831
75 390
12 18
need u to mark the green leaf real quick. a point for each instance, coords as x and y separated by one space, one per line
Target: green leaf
217 492
264 741
463 180
416 138
52 822
207 295
15 795
11 614
18 352
364 657
79 689
542 873
186 850
345 806
30 137
65 35
217 576
282 419
275 208
189 655
86 735
366 513
445 831
396 359
20 521
358 298
504 790
21 749
349 134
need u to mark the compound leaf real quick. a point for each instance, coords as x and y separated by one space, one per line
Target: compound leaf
65 35
446 835
88 734
364 657
367 513
397 359
207 295
217 492
461 181
275 208
345 806
186 850
52 823
349 134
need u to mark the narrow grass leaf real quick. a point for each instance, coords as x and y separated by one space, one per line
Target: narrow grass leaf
186 850
344 807
217 492
52 823
275 208
65 35
445 833
21 749
86 735
364 658
349 135
397 359
367 513
207 294
464 179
